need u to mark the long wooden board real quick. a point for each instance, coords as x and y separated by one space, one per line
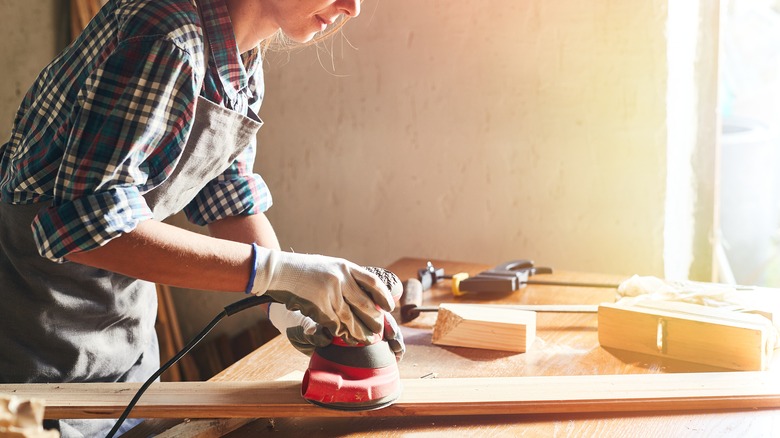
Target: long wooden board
462 396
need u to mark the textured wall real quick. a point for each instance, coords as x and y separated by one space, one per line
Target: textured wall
531 129
31 35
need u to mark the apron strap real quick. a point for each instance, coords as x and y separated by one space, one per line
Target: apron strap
206 42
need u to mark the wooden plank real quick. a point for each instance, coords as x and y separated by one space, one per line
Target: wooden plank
465 396
490 328
188 367
82 11
196 428
689 332
166 336
170 339
206 428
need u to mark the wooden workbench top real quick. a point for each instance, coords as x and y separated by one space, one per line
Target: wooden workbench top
566 344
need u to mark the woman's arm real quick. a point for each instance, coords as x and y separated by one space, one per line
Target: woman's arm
253 228
165 254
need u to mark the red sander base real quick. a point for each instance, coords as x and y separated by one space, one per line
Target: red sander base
352 378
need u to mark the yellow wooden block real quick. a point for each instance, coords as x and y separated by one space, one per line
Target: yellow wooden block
688 332
491 328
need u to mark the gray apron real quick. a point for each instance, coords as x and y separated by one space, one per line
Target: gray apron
70 322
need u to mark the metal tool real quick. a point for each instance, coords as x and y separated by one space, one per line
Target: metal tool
430 275
411 304
506 277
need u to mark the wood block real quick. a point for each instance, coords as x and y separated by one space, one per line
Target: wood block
689 332
491 328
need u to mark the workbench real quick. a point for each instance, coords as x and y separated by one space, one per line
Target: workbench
566 345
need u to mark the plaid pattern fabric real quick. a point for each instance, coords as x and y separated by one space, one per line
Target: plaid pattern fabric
107 121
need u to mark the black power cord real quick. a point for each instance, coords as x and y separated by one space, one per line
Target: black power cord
231 309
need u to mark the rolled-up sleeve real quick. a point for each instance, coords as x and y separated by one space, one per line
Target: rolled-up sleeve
237 191
127 136
88 222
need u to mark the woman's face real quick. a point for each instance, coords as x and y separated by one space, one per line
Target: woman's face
300 20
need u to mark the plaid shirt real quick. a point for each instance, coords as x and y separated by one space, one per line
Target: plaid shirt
107 121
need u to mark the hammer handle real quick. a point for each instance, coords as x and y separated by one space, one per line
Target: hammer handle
411 299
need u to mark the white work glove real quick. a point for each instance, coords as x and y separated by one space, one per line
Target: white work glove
306 335
393 337
303 333
341 296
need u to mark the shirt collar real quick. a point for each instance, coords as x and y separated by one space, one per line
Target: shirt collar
233 73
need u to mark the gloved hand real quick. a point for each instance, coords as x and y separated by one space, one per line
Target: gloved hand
341 296
394 337
306 335
303 333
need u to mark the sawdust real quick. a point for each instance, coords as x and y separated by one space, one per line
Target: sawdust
446 321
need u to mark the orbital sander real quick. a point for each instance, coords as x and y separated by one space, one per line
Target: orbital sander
357 377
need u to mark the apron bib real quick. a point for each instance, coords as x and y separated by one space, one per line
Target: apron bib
70 322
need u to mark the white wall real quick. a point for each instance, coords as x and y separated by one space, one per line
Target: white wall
466 131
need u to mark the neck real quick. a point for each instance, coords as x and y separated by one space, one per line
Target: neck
249 25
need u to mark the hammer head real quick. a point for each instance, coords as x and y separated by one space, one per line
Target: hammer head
409 312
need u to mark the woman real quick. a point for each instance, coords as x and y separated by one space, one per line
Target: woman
150 111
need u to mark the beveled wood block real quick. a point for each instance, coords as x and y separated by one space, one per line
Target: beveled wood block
486 327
